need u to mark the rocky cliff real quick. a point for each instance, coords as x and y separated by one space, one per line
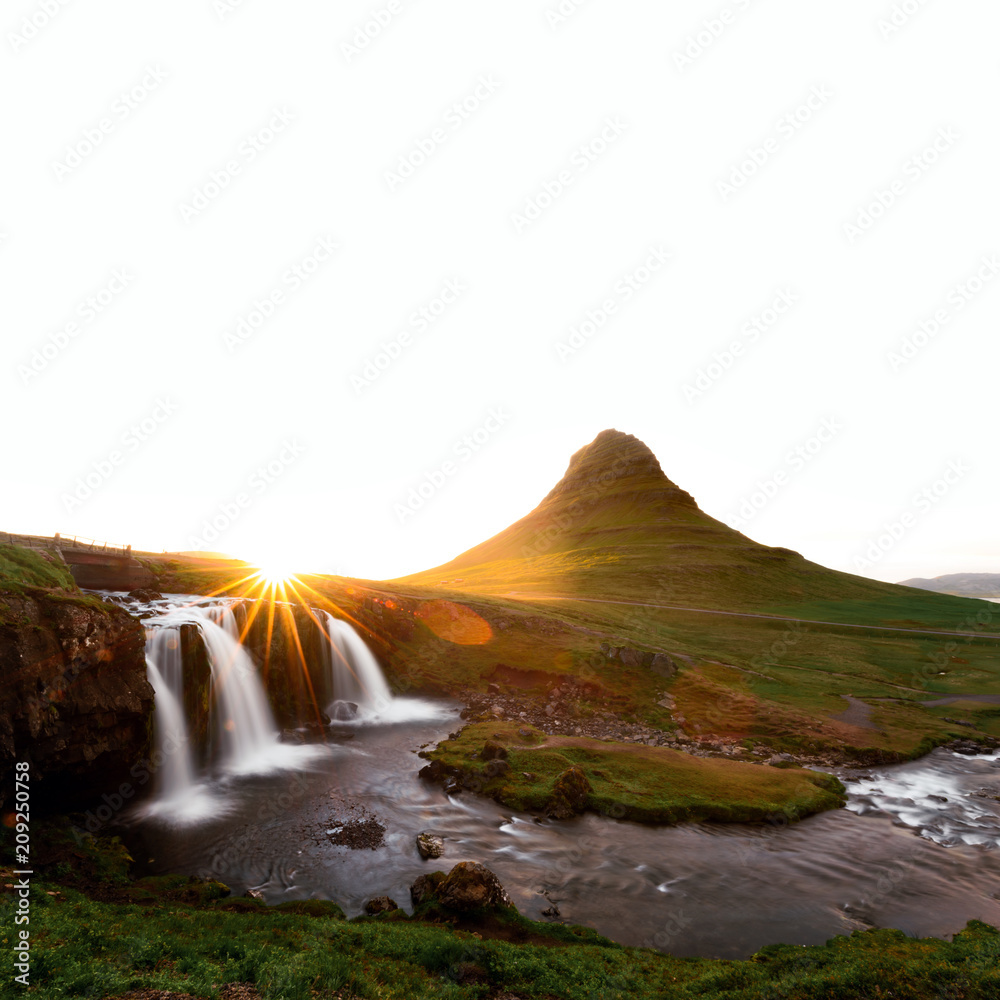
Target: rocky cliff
74 699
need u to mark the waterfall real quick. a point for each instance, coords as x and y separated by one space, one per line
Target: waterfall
180 797
246 732
358 688
243 734
175 777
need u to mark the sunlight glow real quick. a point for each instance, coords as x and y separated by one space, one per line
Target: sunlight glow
275 573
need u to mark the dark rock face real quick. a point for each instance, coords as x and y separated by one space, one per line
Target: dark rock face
471 886
424 888
274 635
569 794
380 904
74 699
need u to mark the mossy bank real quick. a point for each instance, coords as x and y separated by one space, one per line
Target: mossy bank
525 769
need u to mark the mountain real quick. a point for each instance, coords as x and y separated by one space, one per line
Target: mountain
615 526
985 585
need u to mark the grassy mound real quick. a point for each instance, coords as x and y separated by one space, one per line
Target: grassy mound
647 784
22 569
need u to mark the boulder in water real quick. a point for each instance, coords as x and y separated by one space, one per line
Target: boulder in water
469 886
425 887
144 594
380 904
438 771
343 711
430 845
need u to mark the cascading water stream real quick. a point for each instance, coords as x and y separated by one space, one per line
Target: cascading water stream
241 730
356 680
179 794
165 671
246 732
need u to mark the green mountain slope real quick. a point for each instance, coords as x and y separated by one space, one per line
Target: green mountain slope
776 646
616 527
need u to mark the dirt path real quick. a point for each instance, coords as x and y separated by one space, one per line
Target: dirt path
857 713
991 699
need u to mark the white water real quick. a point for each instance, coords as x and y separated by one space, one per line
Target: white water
179 795
946 797
355 676
360 692
244 724
245 734
177 771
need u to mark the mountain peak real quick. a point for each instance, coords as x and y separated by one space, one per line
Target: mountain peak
611 458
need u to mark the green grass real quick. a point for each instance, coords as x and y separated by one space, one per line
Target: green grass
83 948
648 784
22 569
616 529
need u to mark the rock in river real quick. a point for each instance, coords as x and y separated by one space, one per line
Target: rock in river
380 904
430 845
468 886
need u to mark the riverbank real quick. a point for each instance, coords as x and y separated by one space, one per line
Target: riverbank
97 932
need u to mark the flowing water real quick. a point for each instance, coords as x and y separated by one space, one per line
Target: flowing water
917 848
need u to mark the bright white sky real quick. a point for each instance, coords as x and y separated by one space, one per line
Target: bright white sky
304 132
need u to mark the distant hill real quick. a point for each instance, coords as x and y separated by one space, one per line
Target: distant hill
985 585
615 526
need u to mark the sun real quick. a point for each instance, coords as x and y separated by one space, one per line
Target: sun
275 573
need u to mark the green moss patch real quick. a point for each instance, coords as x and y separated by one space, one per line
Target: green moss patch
22 569
647 784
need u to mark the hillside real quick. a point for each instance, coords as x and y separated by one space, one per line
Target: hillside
775 646
617 566
615 526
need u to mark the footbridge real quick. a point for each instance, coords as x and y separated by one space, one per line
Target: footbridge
94 564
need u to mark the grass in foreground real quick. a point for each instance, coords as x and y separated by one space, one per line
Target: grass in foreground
648 784
82 947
